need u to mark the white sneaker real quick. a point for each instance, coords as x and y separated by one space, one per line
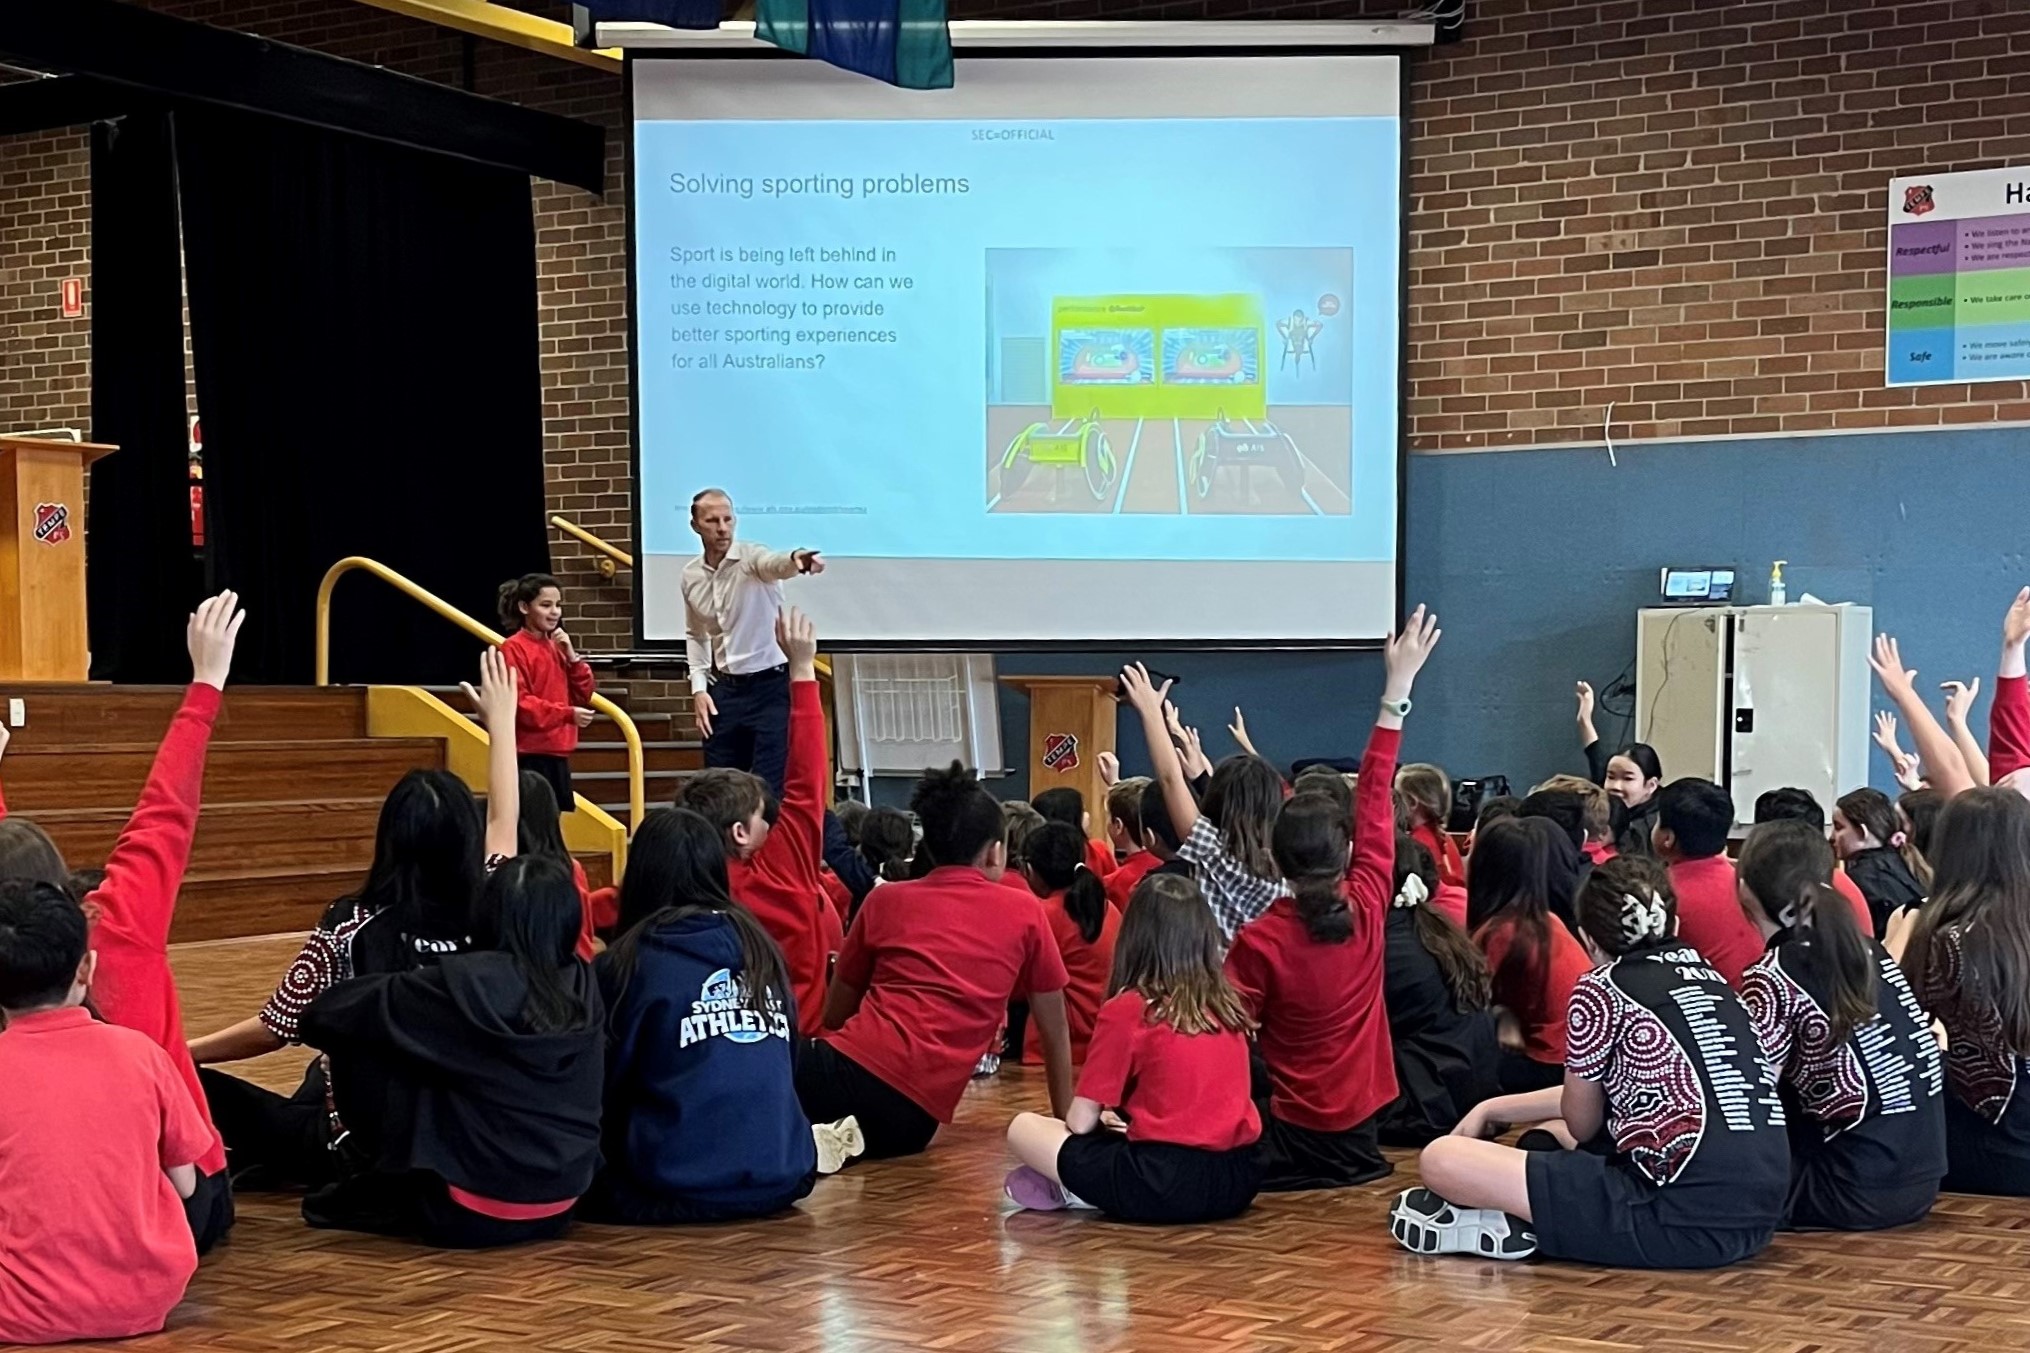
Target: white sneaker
989 1064
1424 1223
837 1143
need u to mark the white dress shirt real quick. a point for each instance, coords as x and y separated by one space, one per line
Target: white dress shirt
730 611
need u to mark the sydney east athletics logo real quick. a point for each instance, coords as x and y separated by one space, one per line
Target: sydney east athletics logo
1917 199
721 1011
52 523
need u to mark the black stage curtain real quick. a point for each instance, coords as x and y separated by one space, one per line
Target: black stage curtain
363 321
140 576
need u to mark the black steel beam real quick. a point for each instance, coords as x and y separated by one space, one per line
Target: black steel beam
136 49
62 101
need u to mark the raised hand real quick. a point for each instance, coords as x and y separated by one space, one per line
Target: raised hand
1196 762
1909 773
1172 720
1887 661
1959 698
496 696
1239 729
1136 689
1885 733
1584 692
213 630
2016 624
799 639
1109 764
1408 651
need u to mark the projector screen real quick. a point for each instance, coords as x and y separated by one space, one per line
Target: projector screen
1084 350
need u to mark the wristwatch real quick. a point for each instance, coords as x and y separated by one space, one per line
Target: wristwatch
1399 708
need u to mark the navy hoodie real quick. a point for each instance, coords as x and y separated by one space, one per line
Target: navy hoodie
701 1102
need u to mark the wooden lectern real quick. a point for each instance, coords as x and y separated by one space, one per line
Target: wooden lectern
42 558
1071 721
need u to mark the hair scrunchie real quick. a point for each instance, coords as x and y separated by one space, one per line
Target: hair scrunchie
1413 892
1643 918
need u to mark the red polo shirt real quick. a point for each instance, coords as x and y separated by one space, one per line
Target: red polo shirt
1121 883
1182 1089
1710 918
939 958
1087 965
93 1241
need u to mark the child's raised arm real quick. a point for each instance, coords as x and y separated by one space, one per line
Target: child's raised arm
1935 748
2009 715
1147 701
1371 875
496 702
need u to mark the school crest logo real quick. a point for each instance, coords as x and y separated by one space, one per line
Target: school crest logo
1917 200
52 523
1060 752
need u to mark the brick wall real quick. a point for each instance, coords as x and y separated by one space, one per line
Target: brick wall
1673 206
1677 207
45 236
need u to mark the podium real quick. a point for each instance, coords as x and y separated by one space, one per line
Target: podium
42 558
1071 721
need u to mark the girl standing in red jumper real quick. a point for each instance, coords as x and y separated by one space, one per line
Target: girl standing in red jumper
1170 1055
1311 966
1075 904
555 682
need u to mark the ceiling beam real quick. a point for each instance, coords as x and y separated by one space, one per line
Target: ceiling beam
137 49
515 27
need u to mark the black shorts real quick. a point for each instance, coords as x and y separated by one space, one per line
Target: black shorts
1294 1158
1593 1209
1980 1158
556 770
832 1086
1155 1182
418 1206
1518 1073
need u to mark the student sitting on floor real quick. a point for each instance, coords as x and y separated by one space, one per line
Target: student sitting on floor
1225 839
1440 1026
1967 953
1065 804
1310 967
1019 822
1798 805
1170 1056
1693 818
1428 791
1596 814
1863 1083
1695 1166
132 906
1532 958
702 1120
924 980
1631 775
99 1139
774 851
1086 928
489 1069
1872 847
1124 830
432 848
1160 836
887 842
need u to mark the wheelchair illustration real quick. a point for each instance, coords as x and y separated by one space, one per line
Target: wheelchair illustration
1083 445
1226 445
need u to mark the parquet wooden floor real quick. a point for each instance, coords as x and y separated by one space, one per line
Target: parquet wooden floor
924 1255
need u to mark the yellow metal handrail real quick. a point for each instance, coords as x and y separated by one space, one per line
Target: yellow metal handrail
636 796
612 557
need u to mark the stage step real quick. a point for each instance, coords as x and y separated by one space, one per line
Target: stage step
111 775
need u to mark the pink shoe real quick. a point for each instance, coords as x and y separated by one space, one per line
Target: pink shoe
1033 1190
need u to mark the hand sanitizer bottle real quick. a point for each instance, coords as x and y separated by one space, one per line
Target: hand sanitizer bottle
1777 595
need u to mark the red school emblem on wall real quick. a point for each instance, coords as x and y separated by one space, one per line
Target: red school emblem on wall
1917 200
1060 752
52 523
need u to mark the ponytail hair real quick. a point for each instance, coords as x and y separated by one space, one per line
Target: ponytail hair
1787 868
1309 842
516 593
1459 959
1057 858
1628 904
887 842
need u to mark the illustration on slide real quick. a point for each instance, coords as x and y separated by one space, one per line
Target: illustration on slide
1156 399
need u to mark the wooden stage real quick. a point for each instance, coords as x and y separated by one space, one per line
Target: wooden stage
924 1254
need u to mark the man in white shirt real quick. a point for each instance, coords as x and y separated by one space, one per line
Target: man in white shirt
739 676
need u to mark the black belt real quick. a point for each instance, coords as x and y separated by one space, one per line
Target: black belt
742 678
